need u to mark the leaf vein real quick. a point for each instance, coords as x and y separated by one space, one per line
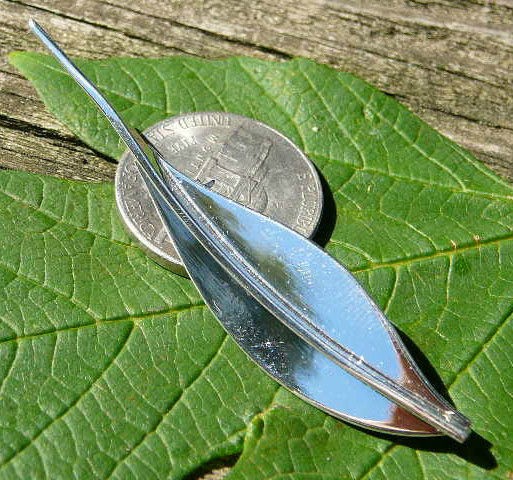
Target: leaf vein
172 405
409 141
442 253
274 101
98 323
34 438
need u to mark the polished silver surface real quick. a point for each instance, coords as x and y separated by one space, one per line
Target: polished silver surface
297 312
343 337
246 160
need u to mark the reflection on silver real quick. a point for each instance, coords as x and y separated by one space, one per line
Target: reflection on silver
297 312
244 160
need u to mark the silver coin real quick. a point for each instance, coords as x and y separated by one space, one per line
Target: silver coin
241 158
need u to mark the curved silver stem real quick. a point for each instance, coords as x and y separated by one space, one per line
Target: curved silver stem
263 257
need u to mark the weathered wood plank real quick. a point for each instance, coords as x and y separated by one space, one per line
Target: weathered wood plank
45 152
450 62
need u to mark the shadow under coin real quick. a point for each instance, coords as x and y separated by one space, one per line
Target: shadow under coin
329 214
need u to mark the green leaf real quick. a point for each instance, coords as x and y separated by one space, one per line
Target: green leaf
113 368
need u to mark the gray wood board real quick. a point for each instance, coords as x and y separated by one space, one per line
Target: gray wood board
450 62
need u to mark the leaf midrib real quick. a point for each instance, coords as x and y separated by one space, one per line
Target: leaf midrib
135 319
62 221
443 253
412 180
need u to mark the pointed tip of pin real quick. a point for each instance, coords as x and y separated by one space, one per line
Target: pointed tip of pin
35 27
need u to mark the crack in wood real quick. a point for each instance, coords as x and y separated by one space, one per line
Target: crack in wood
71 141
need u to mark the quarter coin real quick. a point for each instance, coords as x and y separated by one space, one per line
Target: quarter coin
240 158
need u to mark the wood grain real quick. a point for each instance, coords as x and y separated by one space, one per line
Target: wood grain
450 62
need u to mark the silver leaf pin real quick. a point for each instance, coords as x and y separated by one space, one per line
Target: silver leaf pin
291 307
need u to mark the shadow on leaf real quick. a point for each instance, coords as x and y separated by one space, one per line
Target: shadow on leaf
475 449
218 467
329 214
